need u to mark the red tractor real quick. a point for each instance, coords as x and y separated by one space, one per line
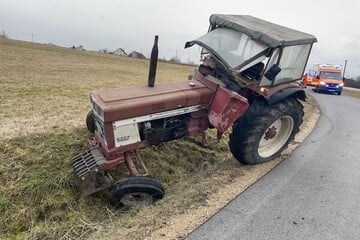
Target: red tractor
246 79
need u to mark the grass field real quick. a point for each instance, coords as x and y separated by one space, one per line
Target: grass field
44 87
44 99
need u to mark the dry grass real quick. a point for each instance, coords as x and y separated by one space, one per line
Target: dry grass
44 98
44 87
352 93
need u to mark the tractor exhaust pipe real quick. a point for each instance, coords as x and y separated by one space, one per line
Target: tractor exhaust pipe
153 62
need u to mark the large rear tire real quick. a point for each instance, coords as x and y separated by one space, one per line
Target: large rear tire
138 190
264 131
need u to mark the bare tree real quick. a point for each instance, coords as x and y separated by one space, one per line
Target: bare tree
104 50
3 34
175 60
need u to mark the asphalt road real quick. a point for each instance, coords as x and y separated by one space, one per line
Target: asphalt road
313 194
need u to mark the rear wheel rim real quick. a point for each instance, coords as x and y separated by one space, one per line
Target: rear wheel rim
275 136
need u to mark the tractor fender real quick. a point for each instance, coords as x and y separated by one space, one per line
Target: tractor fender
226 108
297 92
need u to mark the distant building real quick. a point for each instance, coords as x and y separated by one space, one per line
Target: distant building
135 54
120 52
80 47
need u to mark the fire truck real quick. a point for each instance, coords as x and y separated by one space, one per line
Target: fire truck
326 78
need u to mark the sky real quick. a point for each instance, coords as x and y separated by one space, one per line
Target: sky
132 24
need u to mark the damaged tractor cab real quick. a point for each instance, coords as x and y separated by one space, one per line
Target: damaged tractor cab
245 80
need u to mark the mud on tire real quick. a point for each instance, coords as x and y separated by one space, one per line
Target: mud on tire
264 131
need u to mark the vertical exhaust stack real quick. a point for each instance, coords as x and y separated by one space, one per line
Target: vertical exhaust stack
153 62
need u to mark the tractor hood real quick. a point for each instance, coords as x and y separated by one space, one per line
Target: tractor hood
124 103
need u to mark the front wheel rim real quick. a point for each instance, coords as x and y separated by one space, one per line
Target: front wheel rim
137 198
275 136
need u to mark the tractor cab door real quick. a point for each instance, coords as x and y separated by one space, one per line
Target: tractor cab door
286 64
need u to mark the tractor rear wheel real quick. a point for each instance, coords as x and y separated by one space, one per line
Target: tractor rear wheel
136 190
90 122
264 131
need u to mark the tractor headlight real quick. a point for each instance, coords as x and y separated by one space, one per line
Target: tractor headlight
322 83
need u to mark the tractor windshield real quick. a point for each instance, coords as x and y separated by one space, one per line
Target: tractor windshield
249 48
231 47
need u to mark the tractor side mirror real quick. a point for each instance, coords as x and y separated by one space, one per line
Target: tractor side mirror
272 72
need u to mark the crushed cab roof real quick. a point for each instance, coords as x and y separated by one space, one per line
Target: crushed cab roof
263 31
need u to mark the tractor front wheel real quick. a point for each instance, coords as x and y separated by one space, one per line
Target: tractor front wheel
90 122
136 190
264 131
